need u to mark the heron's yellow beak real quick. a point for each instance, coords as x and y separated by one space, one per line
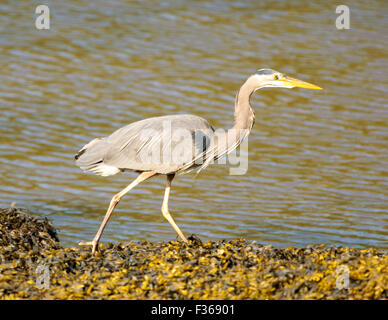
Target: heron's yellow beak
288 81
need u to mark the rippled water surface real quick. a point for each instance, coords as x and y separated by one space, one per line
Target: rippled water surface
318 160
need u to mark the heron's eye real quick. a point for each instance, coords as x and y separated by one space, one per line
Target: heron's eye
276 77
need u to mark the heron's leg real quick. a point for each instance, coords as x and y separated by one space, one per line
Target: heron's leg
115 200
166 212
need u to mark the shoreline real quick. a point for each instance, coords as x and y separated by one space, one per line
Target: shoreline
33 265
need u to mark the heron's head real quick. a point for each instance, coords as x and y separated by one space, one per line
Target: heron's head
271 78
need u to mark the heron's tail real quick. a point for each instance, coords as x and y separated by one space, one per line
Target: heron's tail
91 158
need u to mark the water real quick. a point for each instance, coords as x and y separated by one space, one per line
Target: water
317 159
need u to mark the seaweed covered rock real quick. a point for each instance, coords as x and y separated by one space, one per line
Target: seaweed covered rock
21 230
235 269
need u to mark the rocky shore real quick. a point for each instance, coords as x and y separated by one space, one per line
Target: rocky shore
34 265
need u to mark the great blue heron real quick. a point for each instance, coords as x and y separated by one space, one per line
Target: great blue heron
128 147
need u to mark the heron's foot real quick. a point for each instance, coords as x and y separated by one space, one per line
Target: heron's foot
183 238
93 243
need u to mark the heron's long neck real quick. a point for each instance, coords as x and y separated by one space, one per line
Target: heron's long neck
244 116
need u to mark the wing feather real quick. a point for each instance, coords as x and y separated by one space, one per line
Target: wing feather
150 145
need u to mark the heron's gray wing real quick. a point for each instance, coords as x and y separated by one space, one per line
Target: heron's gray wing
161 144
221 143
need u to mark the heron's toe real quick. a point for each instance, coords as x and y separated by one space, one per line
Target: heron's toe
86 243
94 245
